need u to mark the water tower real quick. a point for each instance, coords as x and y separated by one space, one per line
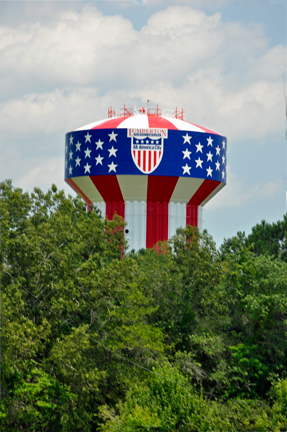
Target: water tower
151 167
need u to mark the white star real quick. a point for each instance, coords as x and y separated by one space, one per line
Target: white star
87 168
71 155
223 174
66 149
217 150
209 156
198 147
112 152
142 141
147 141
198 162
209 141
87 153
223 144
157 142
112 167
152 142
70 170
223 159
217 166
186 154
137 141
78 160
99 144
71 139
99 160
78 146
186 169
186 138
113 136
209 171
88 137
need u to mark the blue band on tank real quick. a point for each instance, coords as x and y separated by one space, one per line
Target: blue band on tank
118 152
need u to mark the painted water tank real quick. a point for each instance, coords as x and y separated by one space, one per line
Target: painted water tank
149 166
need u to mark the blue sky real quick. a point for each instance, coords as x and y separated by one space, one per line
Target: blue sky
63 64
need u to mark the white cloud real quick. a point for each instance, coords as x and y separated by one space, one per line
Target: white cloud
44 175
239 192
269 190
59 74
191 3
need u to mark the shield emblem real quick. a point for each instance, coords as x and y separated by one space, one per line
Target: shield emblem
147 147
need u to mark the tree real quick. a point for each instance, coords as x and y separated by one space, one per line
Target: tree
269 239
72 312
166 404
183 337
255 290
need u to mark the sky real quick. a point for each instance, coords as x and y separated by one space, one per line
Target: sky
62 64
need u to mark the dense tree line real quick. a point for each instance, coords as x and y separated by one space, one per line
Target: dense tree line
184 337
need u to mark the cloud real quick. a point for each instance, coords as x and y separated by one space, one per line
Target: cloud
190 3
44 175
58 74
239 192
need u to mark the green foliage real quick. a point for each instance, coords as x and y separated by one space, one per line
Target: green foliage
247 372
37 402
265 239
169 404
269 239
183 337
256 294
72 305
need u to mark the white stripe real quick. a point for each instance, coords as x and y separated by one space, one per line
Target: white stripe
185 189
101 206
133 187
176 217
186 126
183 125
86 185
219 187
135 218
136 121
92 125
134 191
200 218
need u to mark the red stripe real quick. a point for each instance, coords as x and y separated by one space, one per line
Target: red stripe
139 158
134 153
159 122
108 186
154 159
144 161
73 185
110 124
149 161
204 129
113 207
159 192
157 222
160 188
204 190
192 215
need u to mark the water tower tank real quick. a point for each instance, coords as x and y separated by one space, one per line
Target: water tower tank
153 168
